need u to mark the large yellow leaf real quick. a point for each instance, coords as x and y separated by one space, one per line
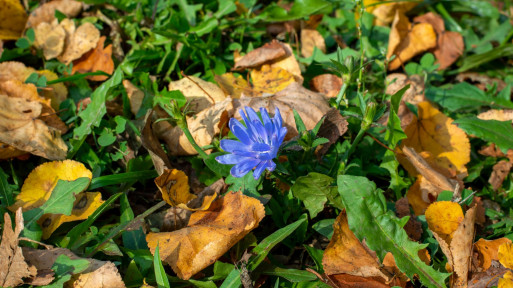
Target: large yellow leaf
12 19
270 79
39 184
85 204
209 235
443 218
433 133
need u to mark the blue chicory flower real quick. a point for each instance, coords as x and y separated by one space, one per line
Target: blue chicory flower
259 142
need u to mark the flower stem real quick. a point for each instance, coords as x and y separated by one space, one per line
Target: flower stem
187 132
342 95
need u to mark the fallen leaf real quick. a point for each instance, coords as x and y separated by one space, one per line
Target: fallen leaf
505 254
293 97
435 20
413 95
50 37
20 128
98 59
333 126
289 64
385 11
99 274
413 227
200 93
345 254
327 84
12 19
269 52
270 79
233 86
350 281
445 146
488 278
500 171
46 13
78 41
506 281
56 92
209 234
39 184
495 114
85 205
203 126
487 250
151 143
13 267
311 38
455 235
135 96
174 187
406 41
481 81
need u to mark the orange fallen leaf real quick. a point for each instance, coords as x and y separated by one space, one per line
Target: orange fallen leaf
12 19
39 184
384 11
488 250
98 59
406 41
327 84
209 234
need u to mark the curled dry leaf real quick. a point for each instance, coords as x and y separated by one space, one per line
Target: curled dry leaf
269 52
327 84
135 96
455 235
174 186
99 274
200 93
85 204
481 81
12 19
98 59
151 143
46 12
39 184
311 38
406 41
487 251
20 128
295 96
13 267
488 278
83 39
203 127
413 227
333 126
209 234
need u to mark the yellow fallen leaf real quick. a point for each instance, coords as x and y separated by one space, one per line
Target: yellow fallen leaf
12 19
289 64
443 218
505 255
98 59
39 184
445 144
270 80
506 281
233 86
209 234
385 11
488 250
85 204
406 41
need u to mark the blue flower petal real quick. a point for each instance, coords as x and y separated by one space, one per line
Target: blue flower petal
231 159
243 168
259 169
252 132
229 145
260 147
240 131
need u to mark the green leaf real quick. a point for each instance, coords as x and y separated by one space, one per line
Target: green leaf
232 280
300 125
247 184
115 179
132 239
464 95
93 114
498 132
312 190
369 219
64 267
60 201
265 246
5 190
316 255
300 9
293 275
160 273
324 227
472 61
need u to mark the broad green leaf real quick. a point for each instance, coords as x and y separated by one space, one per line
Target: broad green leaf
232 280
394 132
160 274
383 232
324 227
247 184
498 132
312 190
265 246
64 267
464 96
293 275
221 270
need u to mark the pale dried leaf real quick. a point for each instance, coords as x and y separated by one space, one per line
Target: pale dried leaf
311 38
46 12
83 39
500 171
200 93
50 38
327 84
135 96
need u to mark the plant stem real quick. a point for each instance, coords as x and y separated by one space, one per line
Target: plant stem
342 95
188 134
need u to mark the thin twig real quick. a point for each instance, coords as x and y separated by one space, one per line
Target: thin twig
183 74
37 242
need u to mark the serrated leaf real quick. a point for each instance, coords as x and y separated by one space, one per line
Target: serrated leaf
312 190
369 219
498 132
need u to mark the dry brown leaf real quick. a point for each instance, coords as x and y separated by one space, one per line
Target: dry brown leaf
269 52
406 41
481 81
20 128
413 227
12 19
203 126
347 255
327 84
200 93
311 38
333 126
135 96
13 267
445 146
293 97
488 278
487 251
46 12
50 38
99 274
435 20
500 171
78 41
56 92
151 143
99 59
209 234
